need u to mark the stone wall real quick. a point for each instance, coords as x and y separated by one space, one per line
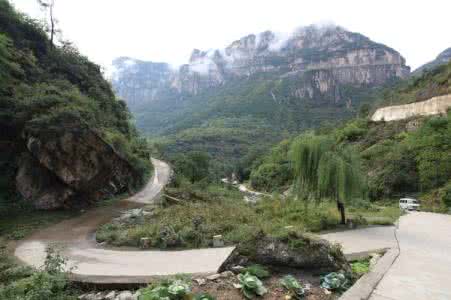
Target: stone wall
434 106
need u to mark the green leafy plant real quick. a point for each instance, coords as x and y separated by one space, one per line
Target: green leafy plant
335 282
360 267
257 270
204 296
250 286
293 286
167 290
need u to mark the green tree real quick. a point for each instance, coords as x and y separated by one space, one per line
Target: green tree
194 165
326 170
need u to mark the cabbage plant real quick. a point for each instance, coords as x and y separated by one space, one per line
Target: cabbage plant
250 286
173 290
204 297
335 282
293 286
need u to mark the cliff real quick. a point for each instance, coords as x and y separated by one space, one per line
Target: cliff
328 56
228 101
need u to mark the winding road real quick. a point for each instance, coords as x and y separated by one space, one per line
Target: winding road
421 271
95 264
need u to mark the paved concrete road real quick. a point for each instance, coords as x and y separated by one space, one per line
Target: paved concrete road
364 240
94 264
423 268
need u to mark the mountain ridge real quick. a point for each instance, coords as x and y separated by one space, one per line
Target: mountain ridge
261 87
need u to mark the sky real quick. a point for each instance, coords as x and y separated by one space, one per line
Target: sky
168 30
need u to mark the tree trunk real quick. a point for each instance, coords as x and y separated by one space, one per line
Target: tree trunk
52 26
341 209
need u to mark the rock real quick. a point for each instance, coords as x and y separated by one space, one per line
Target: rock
237 269
92 296
309 252
125 295
145 242
227 274
67 162
39 186
218 241
111 295
136 295
99 296
374 259
200 281
214 277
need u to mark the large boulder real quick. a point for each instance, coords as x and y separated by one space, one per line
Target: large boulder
67 162
295 250
38 185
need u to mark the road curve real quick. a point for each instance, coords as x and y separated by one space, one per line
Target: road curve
97 265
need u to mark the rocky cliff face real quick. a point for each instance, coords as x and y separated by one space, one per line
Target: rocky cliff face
327 56
443 58
67 164
140 81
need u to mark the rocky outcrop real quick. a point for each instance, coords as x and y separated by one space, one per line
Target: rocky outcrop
138 81
67 164
321 59
433 106
295 251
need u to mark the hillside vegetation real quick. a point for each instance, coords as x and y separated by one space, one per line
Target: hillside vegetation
432 82
257 91
42 85
407 157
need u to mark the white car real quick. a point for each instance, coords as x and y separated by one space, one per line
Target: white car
409 204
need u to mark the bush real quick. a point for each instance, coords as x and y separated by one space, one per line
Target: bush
49 283
360 267
270 176
257 270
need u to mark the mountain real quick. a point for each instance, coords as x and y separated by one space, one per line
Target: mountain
443 58
65 139
257 89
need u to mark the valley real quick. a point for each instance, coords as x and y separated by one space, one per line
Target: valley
314 164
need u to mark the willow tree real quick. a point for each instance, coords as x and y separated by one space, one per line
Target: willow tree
325 170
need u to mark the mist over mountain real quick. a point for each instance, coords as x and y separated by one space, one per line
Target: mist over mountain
267 83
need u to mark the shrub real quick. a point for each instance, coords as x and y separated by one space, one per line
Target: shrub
360 267
257 270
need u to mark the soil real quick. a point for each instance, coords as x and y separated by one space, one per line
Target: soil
223 289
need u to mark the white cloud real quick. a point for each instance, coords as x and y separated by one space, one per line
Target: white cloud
167 30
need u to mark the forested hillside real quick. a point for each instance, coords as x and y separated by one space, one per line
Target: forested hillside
64 137
261 88
408 157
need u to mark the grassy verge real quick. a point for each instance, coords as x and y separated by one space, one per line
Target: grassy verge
217 210
360 267
383 213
